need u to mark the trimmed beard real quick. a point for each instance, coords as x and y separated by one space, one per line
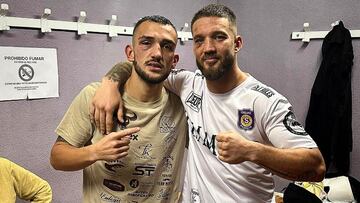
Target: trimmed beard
216 73
144 76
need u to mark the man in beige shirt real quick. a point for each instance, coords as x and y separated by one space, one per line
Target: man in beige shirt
141 163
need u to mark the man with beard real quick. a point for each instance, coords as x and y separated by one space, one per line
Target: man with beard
241 131
132 164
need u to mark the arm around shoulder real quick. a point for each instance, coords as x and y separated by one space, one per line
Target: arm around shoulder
107 97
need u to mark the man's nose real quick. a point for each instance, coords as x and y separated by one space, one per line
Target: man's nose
156 52
209 45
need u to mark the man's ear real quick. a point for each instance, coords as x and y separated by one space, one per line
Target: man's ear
238 43
175 60
129 53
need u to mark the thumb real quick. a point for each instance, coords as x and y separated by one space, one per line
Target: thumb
219 137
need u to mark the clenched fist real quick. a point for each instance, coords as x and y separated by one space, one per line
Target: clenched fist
234 148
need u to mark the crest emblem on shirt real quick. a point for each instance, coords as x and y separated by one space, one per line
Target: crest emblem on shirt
193 101
246 119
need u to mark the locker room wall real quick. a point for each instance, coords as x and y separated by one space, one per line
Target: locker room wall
289 66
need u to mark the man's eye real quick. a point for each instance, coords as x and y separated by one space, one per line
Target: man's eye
220 37
198 41
145 42
169 47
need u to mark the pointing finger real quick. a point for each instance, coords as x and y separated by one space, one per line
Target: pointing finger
126 132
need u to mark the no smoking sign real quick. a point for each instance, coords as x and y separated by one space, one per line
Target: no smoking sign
26 72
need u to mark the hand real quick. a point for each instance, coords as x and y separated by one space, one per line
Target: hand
114 145
107 98
234 148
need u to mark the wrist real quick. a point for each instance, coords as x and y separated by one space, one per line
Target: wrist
91 152
255 152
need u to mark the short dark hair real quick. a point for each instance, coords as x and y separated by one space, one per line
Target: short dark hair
215 10
156 19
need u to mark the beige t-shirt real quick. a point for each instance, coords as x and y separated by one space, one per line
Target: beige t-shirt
151 170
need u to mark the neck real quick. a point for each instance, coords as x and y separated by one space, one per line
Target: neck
228 81
142 90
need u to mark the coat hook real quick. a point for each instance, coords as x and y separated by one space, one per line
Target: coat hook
112 31
306 38
184 29
80 23
44 21
3 12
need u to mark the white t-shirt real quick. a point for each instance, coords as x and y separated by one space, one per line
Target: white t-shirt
253 110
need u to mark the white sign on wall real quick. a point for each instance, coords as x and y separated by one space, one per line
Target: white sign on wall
28 73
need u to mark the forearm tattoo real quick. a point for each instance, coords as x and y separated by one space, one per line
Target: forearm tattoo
113 75
120 72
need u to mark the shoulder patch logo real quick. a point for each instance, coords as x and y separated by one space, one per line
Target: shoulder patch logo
293 125
246 119
264 90
194 101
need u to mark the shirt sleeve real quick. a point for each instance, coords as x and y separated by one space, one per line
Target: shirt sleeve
177 79
281 126
29 186
76 127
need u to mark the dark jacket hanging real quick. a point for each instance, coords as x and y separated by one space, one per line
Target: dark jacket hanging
329 116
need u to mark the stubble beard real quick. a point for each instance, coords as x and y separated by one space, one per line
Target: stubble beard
213 73
146 77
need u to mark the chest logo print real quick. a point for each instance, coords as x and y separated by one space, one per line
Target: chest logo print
193 101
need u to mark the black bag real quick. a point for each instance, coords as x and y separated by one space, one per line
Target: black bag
297 194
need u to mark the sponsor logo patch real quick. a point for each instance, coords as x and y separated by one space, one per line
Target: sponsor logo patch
168 163
163 194
293 125
144 170
113 165
134 183
141 194
246 119
264 90
109 198
166 124
128 116
113 185
195 196
193 101
144 152
176 71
